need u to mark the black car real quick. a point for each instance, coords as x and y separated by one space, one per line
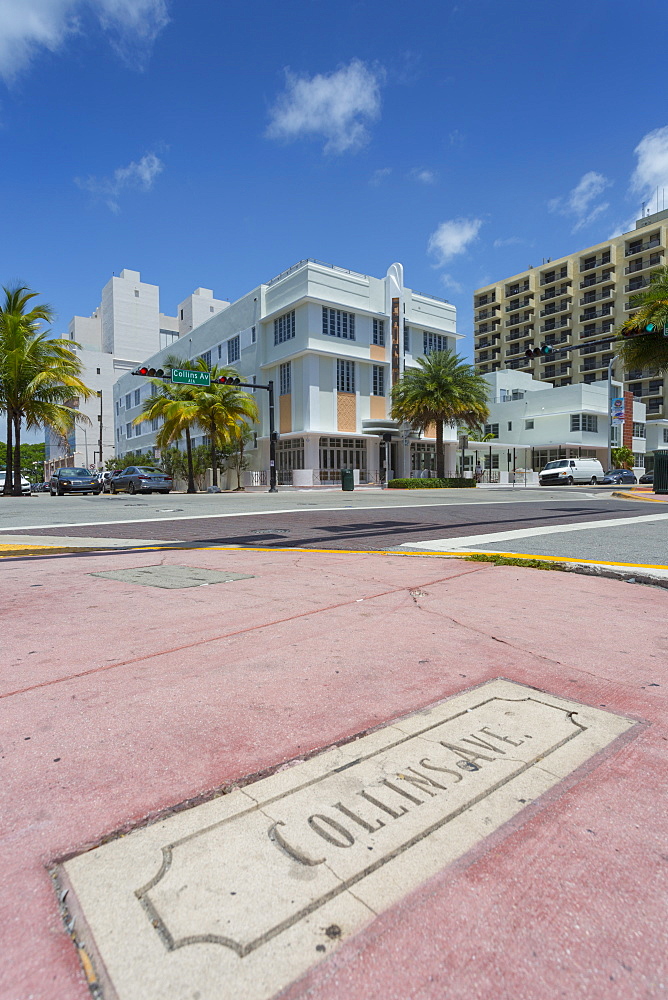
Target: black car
647 479
619 477
141 479
74 480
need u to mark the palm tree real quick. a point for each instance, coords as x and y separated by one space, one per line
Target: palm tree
38 376
175 407
651 349
442 389
223 410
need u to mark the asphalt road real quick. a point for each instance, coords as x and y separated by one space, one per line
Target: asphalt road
332 520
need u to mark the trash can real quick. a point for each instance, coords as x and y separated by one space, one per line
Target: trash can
661 471
347 480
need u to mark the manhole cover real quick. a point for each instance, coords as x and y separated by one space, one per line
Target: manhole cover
172 577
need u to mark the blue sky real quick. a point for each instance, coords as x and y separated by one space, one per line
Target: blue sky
217 143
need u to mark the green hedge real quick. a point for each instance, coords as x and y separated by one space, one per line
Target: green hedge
426 484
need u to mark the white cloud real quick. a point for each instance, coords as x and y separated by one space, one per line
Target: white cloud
508 242
651 170
452 238
378 176
28 26
337 106
423 175
579 202
138 175
451 284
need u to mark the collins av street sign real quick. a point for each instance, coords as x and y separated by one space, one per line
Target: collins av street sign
186 376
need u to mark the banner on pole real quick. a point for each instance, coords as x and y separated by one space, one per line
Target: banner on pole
617 411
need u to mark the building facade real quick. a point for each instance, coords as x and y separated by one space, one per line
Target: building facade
532 423
126 327
333 342
574 305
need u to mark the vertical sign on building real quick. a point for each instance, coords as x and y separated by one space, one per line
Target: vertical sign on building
617 411
395 341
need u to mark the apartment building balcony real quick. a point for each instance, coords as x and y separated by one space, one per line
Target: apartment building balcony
554 293
553 340
653 241
517 288
653 260
526 318
555 324
591 314
558 274
595 365
484 300
641 373
635 286
514 306
592 262
597 279
595 296
557 307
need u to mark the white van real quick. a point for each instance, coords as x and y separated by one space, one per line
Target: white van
567 471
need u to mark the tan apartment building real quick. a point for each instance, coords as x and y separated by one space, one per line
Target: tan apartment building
576 302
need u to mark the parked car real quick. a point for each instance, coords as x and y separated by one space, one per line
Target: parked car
647 479
25 485
74 480
141 479
566 471
620 477
107 478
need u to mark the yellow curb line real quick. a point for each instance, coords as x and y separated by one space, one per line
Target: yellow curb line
568 559
639 496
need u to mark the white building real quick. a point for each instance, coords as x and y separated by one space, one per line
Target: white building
125 328
333 342
532 423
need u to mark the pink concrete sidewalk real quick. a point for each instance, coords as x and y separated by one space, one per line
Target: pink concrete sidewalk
120 701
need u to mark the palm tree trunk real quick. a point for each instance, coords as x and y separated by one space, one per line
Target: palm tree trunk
440 456
9 467
214 469
189 455
16 491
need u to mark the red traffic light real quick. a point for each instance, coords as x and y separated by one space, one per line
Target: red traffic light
142 371
228 380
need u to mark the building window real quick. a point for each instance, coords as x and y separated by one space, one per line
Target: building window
665 435
210 309
118 434
233 350
638 430
138 429
378 381
379 332
341 453
584 422
345 376
206 358
407 339
284 328
118 407
528 425
435 342
493 464
254 381
639 459
220 351
128 430
285 379
182 314
510 425
136 293
155 423
336 323
137 397
253 335
289 456
492 430
128 401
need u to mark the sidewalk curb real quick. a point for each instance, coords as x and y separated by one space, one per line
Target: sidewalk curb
629 495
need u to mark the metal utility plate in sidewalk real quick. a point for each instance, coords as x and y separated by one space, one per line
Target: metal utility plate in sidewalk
172 577
238 897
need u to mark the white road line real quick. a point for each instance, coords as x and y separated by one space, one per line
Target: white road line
293 510
467 541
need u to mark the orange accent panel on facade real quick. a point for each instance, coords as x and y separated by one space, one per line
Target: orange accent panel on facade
285 414
346 412
627 436
377 410
377 353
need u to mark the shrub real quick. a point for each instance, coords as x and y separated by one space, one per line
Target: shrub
426 484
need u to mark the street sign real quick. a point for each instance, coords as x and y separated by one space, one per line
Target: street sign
617 411
186 376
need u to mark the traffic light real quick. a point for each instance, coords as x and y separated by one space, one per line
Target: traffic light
228 380
640 331
536 352
150 372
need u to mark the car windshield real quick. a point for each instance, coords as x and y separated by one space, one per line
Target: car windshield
76 473
556 465
146 470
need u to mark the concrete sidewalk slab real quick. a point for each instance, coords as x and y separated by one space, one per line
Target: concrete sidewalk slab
121 702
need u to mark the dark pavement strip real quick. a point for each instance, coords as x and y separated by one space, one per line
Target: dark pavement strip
353 529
